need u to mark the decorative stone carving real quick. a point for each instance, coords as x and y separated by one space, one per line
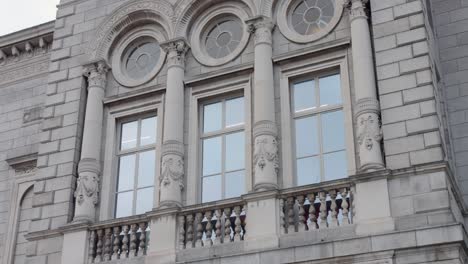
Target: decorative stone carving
87 186
26 167
172 171
33 114
23 72
96 74
176 50
261 27
112 27
357 8
370 132
266 151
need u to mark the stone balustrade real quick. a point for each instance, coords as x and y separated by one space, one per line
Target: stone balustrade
304 210
118 239
208 225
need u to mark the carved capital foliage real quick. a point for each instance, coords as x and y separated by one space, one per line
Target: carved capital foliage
357 8
96 74
261 27
266 152
172 171
369 130
176 50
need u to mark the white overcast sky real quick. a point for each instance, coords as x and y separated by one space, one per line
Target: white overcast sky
20 14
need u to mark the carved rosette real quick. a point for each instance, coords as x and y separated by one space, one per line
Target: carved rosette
96 74
265 158
357 9
88 181
176 50
261 27
172 164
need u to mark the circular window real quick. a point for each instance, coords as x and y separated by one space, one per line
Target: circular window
223 38
138 57
308 20
220 36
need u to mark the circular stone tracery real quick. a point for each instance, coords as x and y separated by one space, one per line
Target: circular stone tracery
223 38
141 58
310 16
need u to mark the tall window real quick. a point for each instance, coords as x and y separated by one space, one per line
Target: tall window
223 149
136 169
319 129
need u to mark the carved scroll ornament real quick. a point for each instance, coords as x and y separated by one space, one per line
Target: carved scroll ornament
172 171
369 131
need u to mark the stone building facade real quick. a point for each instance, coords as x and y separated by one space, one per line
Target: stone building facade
236 131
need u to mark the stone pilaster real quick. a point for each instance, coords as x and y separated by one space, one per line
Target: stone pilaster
367 112
266 163
89 169
172 167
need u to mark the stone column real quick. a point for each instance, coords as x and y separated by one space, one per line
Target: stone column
172 153
367 109
266 163
89 169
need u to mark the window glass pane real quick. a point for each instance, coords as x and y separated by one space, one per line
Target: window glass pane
333 131
124 204
126 172
148 131
212 117
212 156
235 112
308 170
129 135
235 151
235 184
335 165
330 90
146 168
304 96
306 137
144 201
211 189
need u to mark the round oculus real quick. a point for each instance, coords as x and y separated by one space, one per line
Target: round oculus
223 38
141 58
310 16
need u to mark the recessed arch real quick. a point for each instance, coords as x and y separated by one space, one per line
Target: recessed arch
186 12
131 15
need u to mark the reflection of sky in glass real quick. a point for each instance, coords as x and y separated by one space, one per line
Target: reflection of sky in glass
142 58
223 38
310 16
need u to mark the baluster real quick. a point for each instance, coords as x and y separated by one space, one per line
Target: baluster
227 225
283 225
142 251
92 246
351 202
333 209
100 234
189 243
217 227
198 221
108 243
243 218
237 223
116 242
301 214
181 220
312 214
290 208
344 207
208 229
124 252
323 210
133 240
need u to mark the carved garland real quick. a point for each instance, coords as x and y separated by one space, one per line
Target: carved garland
370 130
172 171
266 150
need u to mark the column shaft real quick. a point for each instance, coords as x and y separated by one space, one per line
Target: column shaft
367 112
172 172
87 191
266 163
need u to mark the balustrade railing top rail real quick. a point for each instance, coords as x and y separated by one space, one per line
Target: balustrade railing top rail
118 239
211 224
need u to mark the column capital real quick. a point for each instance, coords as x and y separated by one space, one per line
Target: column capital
96 73
261 27
176 50
357 8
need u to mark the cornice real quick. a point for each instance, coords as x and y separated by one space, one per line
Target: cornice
27 34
